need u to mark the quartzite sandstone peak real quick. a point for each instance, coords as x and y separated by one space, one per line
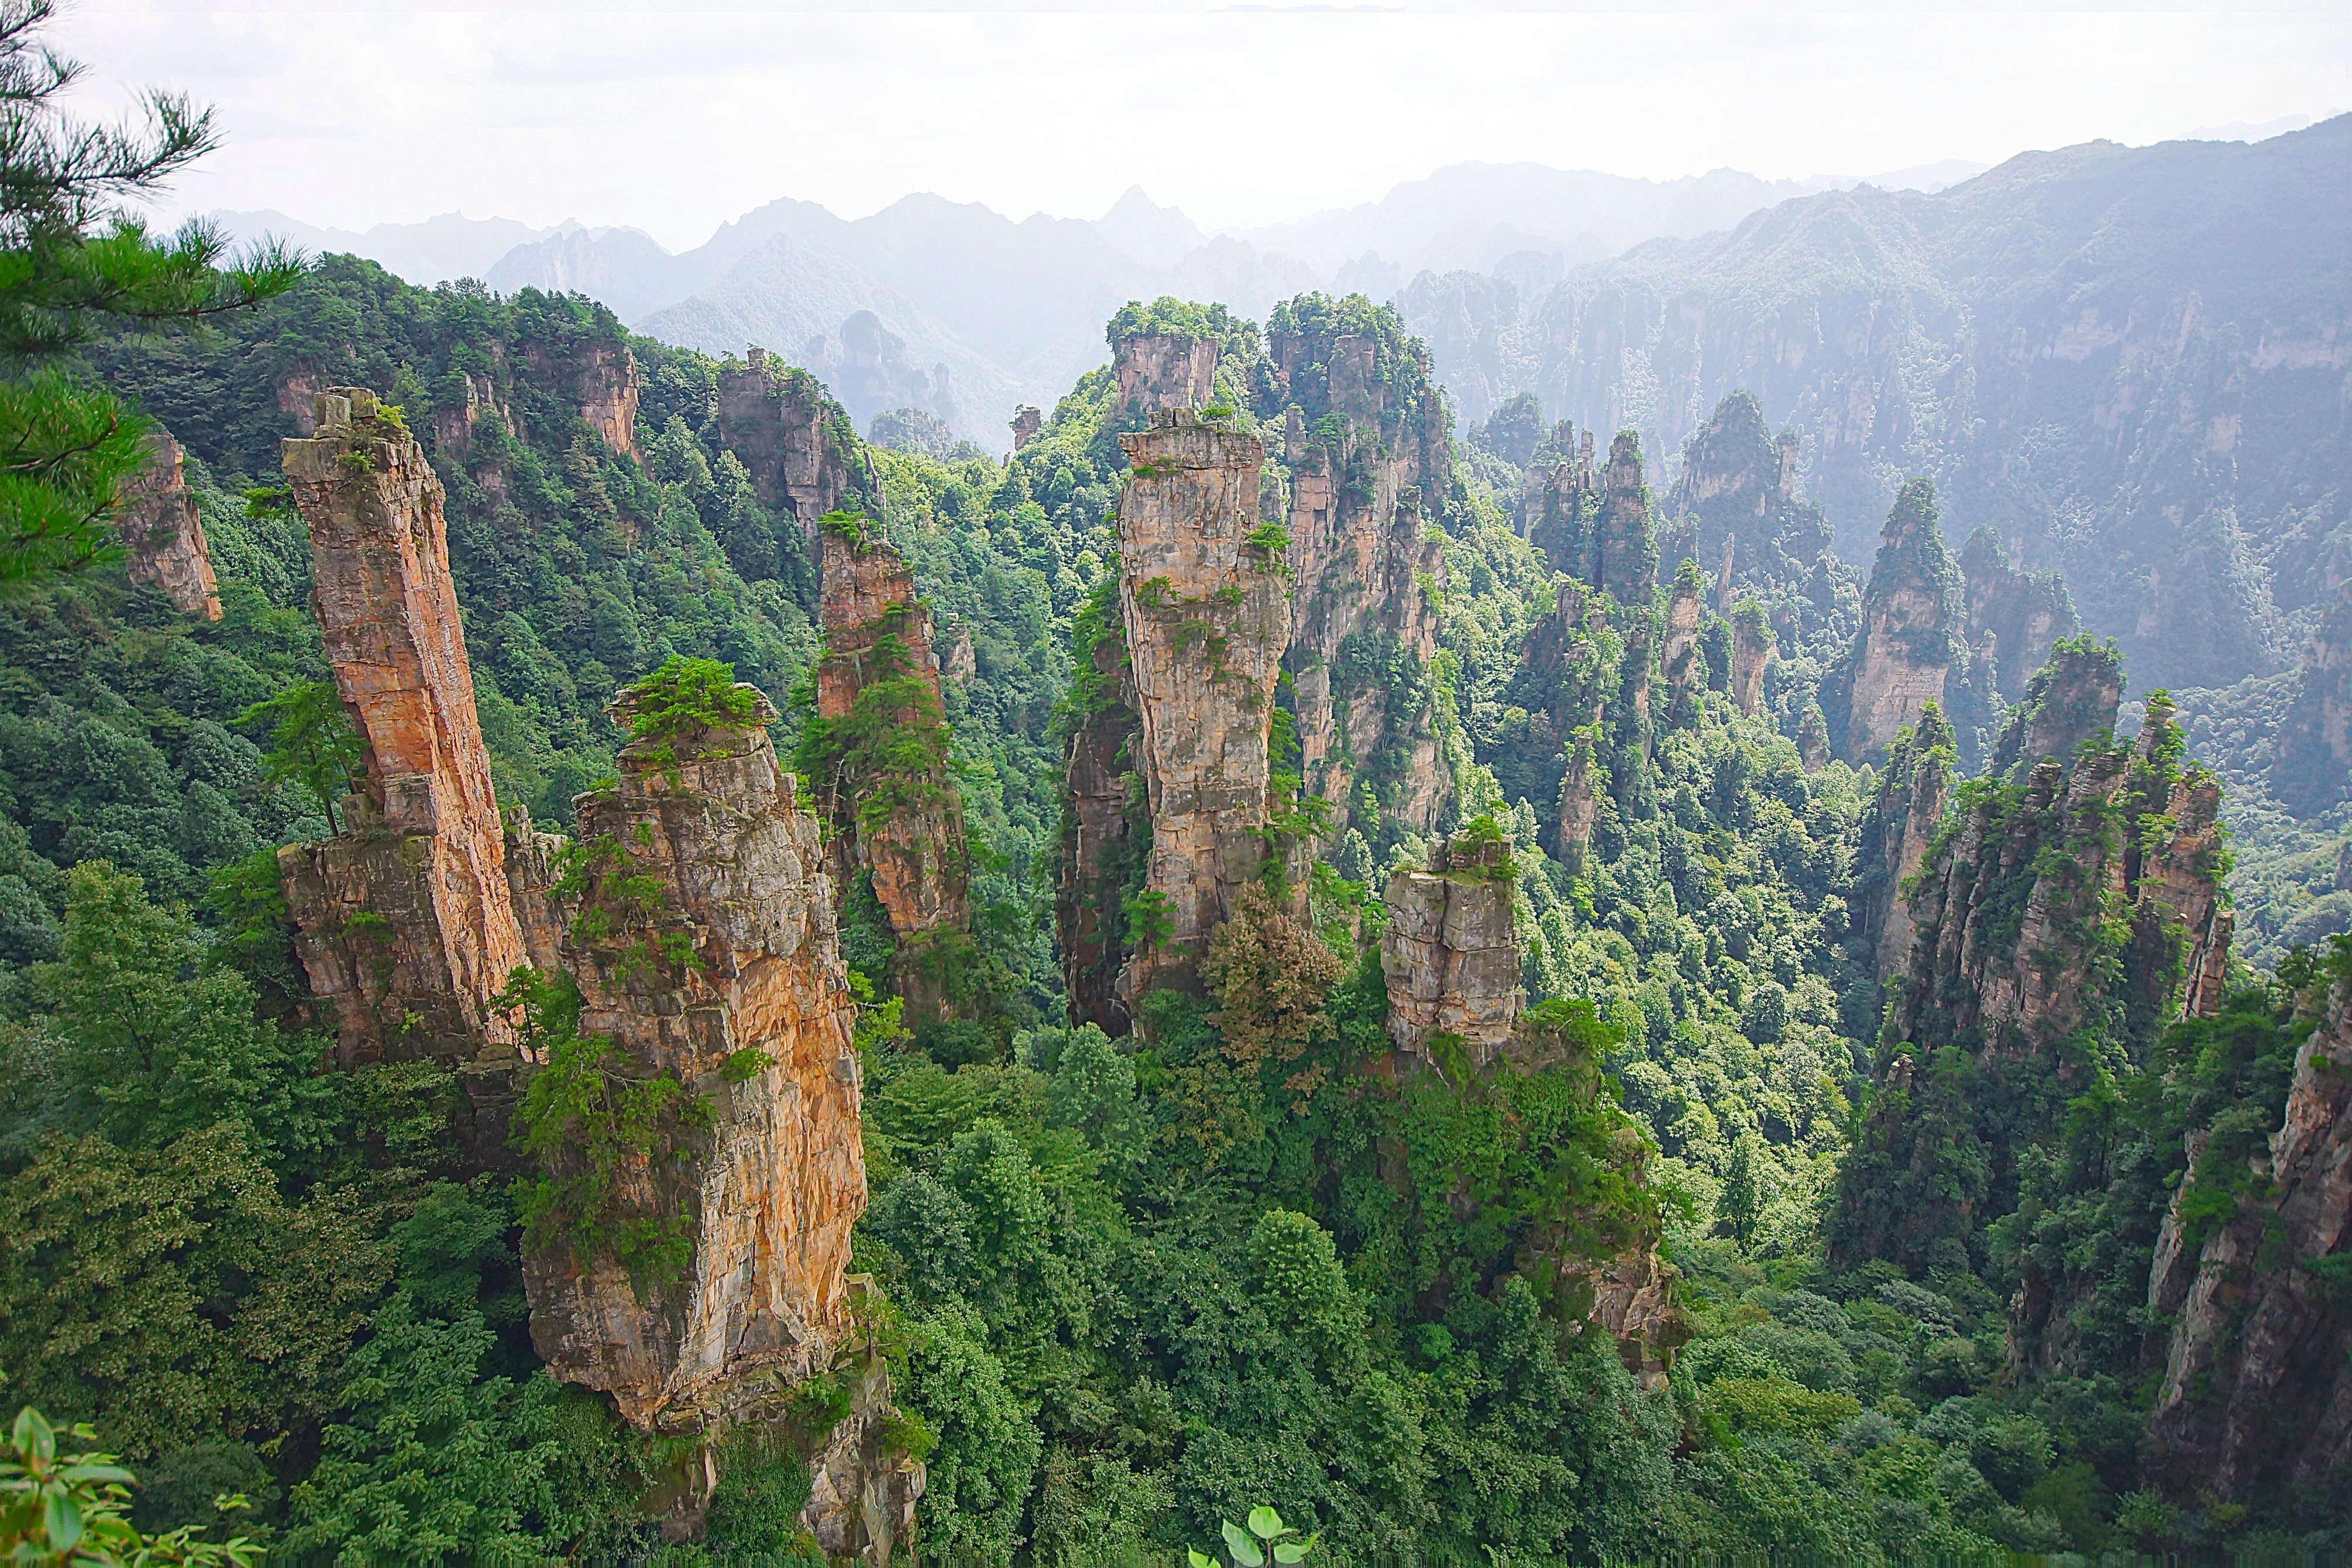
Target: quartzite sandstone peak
1368 446
1737 493
405 921
798 448
903 823
1165 369
162 537
736 953
1207 615
1103 797
1908 647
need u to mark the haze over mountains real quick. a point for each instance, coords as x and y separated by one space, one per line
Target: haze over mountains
1013 311
2079 347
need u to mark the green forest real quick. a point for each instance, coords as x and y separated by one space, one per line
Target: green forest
1237 1251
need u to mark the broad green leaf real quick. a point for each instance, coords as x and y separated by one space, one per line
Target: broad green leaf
1199 1558
1243 1549
63 1518
1265 1523
1290 1552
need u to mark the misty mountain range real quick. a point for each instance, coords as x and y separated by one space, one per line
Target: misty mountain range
960 311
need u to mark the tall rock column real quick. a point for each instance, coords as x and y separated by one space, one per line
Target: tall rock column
1900 823
405 922
163 536
1206 607
1751 649
1625 552
706 952
1102 800
1911 613
890 792
2313 766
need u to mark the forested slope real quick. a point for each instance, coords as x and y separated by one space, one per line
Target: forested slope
1261 1241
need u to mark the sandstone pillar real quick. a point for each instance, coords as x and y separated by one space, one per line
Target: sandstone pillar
1207 616
163 536
405 924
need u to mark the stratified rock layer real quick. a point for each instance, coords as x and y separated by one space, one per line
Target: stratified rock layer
602 376
1104 797
1165 369
1909 806
163 536
1207 615
739 953
1450 952
406 923
2026 614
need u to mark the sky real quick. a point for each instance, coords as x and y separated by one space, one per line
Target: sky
674 120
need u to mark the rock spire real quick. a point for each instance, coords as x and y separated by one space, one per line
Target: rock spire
1206 609
1911 613
163 536
405 924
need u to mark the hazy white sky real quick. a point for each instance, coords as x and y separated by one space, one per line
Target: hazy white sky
675 119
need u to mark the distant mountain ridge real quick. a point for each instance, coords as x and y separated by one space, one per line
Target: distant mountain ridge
1013 310
2131 362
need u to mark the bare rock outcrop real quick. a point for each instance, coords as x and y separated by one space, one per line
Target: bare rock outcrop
886 785
2070 702
2257 1386
1165 369
706 952
1450 952
1736 498
1557 499
1911 613
2312 768
162 535
1752 645
601 375
1680 655
864 1488
405 922
800 449
1026 421
1207 613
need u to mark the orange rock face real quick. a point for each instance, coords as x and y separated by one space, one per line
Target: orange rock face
162 537
406 922
1450 952
878 632
779 1178
1207 616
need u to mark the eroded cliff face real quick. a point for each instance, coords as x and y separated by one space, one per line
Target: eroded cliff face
2257 1388
1557 499
796 446
1105 815
1908 647
2026 614
1736 500
404 921
1368 565
1903 818
162 537
1450 952
1166 370
1207 615
2049 908
890 792
601 377
1752 645
2313 766
1600 532
728 979
2070 701
1450 957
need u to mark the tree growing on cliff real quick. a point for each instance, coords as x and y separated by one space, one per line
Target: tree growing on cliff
75 264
